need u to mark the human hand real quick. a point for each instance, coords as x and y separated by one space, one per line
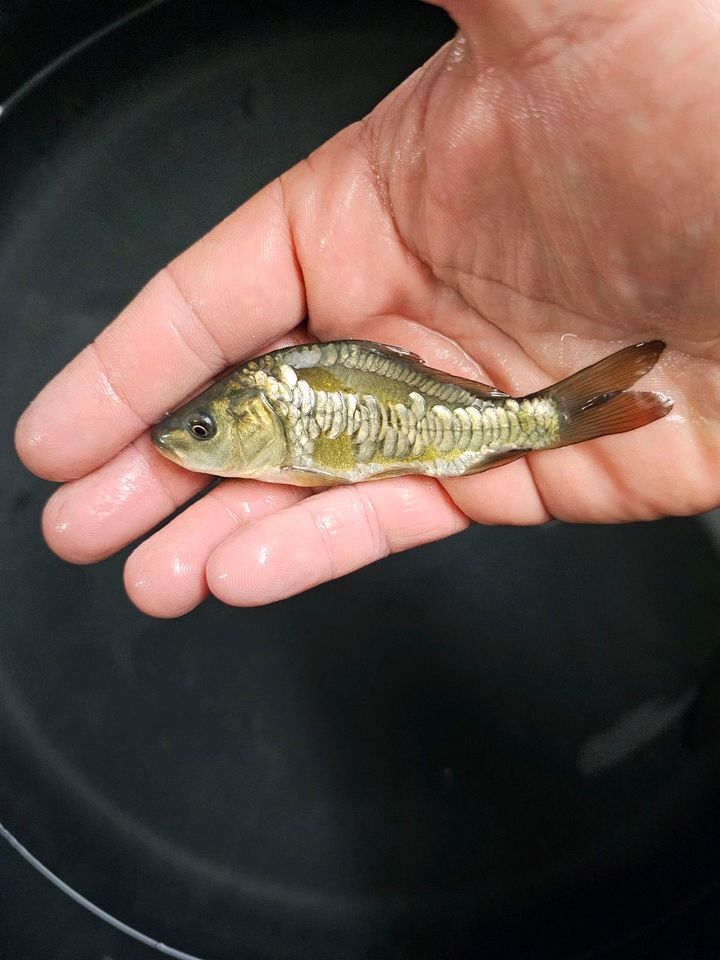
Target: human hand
541 192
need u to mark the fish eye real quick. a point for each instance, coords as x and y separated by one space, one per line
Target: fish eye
202 427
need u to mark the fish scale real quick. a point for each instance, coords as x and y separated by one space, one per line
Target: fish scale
394 428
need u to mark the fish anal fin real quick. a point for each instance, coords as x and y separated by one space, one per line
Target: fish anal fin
497 460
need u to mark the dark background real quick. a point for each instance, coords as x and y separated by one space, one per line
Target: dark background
35 32
410 766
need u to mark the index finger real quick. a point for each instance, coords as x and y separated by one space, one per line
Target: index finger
231 293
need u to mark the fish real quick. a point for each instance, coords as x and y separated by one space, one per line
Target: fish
347 411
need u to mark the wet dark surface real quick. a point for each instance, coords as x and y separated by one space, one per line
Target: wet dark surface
525 762
69 932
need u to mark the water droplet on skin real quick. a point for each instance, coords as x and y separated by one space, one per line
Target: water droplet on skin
328 523
109 500
457 53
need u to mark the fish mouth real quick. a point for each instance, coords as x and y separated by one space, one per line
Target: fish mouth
161 437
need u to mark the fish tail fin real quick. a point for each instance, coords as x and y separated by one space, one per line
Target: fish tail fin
595 401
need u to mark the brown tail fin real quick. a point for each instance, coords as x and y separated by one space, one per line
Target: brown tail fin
593 402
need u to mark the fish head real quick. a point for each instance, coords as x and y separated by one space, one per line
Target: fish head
227 434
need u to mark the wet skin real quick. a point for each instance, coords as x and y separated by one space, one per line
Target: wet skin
544 191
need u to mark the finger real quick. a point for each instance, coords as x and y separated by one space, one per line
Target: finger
166 575
328 535
223 299
629 476
89 519
506 495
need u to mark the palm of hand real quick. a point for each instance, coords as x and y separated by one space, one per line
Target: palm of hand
528 206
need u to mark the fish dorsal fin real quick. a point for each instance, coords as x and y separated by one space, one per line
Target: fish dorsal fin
386 348
337 351
391 361
475 387
411 360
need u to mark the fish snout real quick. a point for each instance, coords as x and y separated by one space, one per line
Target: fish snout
162 435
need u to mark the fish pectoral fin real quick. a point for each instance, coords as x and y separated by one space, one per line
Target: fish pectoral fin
497 460
311 477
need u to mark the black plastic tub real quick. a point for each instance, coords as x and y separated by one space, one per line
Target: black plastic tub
528 766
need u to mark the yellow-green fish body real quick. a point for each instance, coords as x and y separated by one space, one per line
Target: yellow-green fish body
349 411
